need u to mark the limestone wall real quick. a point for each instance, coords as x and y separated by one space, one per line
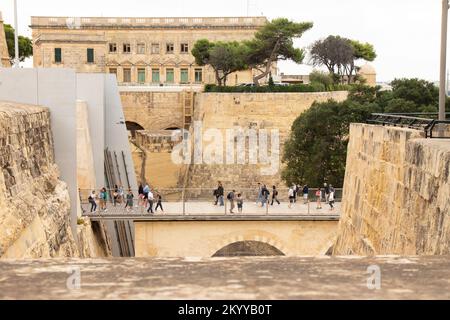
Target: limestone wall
153 110
248 110
34 203
4 56
396 193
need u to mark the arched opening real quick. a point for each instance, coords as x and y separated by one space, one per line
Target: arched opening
133 127
248 248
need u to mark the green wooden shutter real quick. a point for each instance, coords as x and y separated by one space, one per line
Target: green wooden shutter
141 75
90 55
58 56
169 75
184 76
155 75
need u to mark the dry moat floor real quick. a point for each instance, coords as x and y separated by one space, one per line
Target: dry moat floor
228 278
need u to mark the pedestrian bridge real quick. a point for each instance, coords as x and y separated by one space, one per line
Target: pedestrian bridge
205 230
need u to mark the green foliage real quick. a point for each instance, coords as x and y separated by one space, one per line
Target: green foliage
419 91
25 44
274 41
399 105
316 149
364 51
271 83
321 77
339 55
223 57
313 87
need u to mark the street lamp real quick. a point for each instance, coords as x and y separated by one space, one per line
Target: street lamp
442 86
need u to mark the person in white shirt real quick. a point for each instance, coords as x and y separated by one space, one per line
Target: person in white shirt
291 196
150 201
331 199
93 201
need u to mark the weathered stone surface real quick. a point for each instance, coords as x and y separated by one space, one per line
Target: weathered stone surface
228 278
249 111
396 193
34 203
4 56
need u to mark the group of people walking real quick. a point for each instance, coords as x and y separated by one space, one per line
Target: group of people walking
147 198
265 196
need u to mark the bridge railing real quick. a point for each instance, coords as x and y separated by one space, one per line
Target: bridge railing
202 201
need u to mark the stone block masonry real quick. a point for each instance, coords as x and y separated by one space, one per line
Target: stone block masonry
257 111
34 203
396 196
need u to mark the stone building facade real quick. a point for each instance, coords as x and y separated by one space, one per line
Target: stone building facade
4 56
140 51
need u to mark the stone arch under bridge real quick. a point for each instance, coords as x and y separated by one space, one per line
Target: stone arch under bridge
248 248
206 237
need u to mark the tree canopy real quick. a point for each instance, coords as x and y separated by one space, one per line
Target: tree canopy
274 41
25 44
316 150
339 56
224 57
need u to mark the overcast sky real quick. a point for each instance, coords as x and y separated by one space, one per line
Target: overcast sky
405 33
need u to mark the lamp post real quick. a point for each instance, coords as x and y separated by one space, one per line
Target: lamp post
442 86
16 37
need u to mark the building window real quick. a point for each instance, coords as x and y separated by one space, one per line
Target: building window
184 48
198 75
184 75
112 48
169 47
155 48
126 75
90 55
141 48
169 75
58 55
155 75
126 48
141 75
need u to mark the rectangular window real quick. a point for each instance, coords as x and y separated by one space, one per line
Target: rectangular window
184 75
113 71
90 55
198 75
112 48
184 48
155 75
169 75
126 48
58 55
169 47
141 75
126 75
155 48
141 48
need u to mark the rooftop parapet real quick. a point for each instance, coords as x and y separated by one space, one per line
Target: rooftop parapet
134 22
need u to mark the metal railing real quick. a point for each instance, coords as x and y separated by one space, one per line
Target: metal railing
202 201
426 125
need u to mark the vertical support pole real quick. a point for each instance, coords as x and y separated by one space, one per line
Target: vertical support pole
443 65
16 36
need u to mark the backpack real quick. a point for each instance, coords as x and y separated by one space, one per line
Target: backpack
229 196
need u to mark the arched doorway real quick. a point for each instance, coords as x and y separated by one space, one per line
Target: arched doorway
248 248
133 127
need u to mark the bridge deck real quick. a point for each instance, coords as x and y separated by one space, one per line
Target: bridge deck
207 211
